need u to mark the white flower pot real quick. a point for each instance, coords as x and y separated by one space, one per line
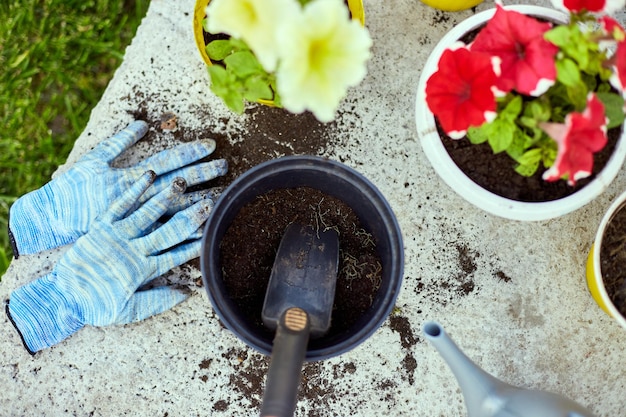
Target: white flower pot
595 282
462 184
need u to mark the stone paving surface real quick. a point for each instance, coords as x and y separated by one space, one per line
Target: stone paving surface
511 294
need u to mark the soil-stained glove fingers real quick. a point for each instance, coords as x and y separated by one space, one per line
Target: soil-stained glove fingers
113 147
147 303
177 157
144 217
177 229
189 199
65 208
128 199
195 174
96 280
177 256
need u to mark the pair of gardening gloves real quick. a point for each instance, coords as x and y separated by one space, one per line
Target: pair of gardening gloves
127 225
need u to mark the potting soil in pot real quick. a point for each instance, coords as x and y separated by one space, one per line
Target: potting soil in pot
496 173
613 259
249 247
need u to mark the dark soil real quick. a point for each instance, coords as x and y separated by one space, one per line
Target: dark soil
496 173
613 259
271 132
250 244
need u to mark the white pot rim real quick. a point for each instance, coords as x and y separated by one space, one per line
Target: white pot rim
463 185
618 203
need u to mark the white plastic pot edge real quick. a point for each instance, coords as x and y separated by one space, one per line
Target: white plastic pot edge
463 185
597 272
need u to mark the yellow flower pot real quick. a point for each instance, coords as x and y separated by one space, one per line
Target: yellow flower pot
452 5
595 282
355 7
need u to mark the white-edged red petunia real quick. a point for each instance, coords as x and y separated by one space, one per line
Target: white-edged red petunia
578 139
618 60
593 6
460 93
618 79
527 58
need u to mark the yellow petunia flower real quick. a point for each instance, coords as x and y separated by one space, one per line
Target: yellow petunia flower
253 21
322 53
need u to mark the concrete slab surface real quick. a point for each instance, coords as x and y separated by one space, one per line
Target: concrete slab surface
528 318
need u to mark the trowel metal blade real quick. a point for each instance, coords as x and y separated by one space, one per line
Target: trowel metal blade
304 275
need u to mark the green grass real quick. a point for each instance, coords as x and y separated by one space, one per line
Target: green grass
56 59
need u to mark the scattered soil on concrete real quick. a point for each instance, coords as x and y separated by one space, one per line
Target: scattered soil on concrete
402 326
271 133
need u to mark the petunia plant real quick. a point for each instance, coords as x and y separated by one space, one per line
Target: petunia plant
298 54
544 93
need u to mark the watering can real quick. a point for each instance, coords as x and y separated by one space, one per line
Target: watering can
487 396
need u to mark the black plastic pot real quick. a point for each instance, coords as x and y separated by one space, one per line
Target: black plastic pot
334 179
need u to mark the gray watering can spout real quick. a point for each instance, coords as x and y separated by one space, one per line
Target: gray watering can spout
487 396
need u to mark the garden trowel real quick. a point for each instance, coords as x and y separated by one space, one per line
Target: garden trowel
298 304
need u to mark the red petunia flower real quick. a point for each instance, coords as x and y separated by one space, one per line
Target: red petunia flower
527 58
618 79
594 6
612 27
460 93
578 139
618 61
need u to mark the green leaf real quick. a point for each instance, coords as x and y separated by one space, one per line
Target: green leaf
575 44
257 88
527 170
532 156
548 153
243 64
518 145
477 135
511 110
277 100
219 75
535 111
226 86
559 35
578 95
500 134
219 49
613 108
529 162
567 72
239 45
234 101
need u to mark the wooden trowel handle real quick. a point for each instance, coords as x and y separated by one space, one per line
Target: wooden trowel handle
288 352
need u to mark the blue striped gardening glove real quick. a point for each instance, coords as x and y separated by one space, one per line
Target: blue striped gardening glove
98 281
64 209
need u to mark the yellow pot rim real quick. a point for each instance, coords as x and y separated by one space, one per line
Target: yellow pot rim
595 282
450 6
355 6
